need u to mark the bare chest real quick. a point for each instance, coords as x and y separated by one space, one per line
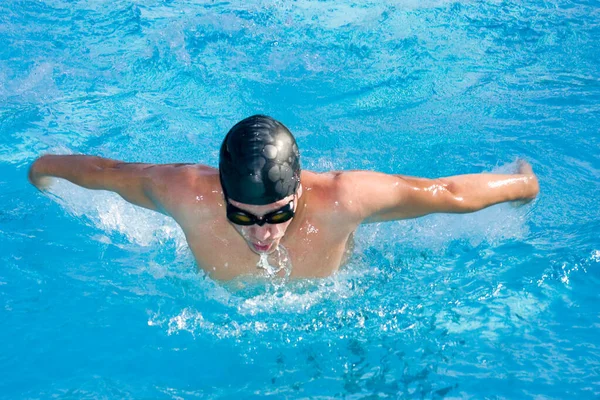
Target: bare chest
312 250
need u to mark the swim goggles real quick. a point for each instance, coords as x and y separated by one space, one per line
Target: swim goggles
241 217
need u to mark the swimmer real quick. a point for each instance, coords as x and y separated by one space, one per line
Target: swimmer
259 202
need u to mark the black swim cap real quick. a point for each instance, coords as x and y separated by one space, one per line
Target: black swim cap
259 161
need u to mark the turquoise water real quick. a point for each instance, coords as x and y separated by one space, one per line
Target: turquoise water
100 299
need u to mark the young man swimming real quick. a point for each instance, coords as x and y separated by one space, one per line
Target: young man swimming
259 201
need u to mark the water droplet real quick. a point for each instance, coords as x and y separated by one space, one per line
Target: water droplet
311 229
280 258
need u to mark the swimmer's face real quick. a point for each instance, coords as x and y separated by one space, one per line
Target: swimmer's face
265 238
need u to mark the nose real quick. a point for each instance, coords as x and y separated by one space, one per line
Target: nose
261 232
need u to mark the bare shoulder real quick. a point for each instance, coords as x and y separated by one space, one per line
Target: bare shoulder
187 176
331 193
358 195
321 187
177 187
347 184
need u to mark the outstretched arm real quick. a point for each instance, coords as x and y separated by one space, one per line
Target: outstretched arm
382 197
134 182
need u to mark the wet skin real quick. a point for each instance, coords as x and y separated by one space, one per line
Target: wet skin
329 207
317 245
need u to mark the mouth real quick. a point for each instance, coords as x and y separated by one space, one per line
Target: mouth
261 248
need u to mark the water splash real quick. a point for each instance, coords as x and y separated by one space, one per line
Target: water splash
281 260
110 213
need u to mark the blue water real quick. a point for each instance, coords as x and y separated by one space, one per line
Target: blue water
99 299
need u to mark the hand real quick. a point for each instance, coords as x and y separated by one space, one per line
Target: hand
524 168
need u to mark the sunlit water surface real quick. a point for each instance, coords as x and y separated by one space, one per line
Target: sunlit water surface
99 299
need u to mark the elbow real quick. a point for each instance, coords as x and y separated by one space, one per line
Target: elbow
462 206
455 199
458 204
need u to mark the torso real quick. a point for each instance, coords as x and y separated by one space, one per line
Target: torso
318 241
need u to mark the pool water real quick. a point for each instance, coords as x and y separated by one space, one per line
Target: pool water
99 299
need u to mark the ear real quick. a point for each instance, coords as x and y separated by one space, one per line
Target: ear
300 191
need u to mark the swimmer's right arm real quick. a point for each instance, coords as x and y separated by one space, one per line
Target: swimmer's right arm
131 181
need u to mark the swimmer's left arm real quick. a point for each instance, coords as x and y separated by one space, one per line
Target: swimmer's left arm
383 197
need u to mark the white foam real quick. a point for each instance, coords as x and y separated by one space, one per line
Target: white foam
109 212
